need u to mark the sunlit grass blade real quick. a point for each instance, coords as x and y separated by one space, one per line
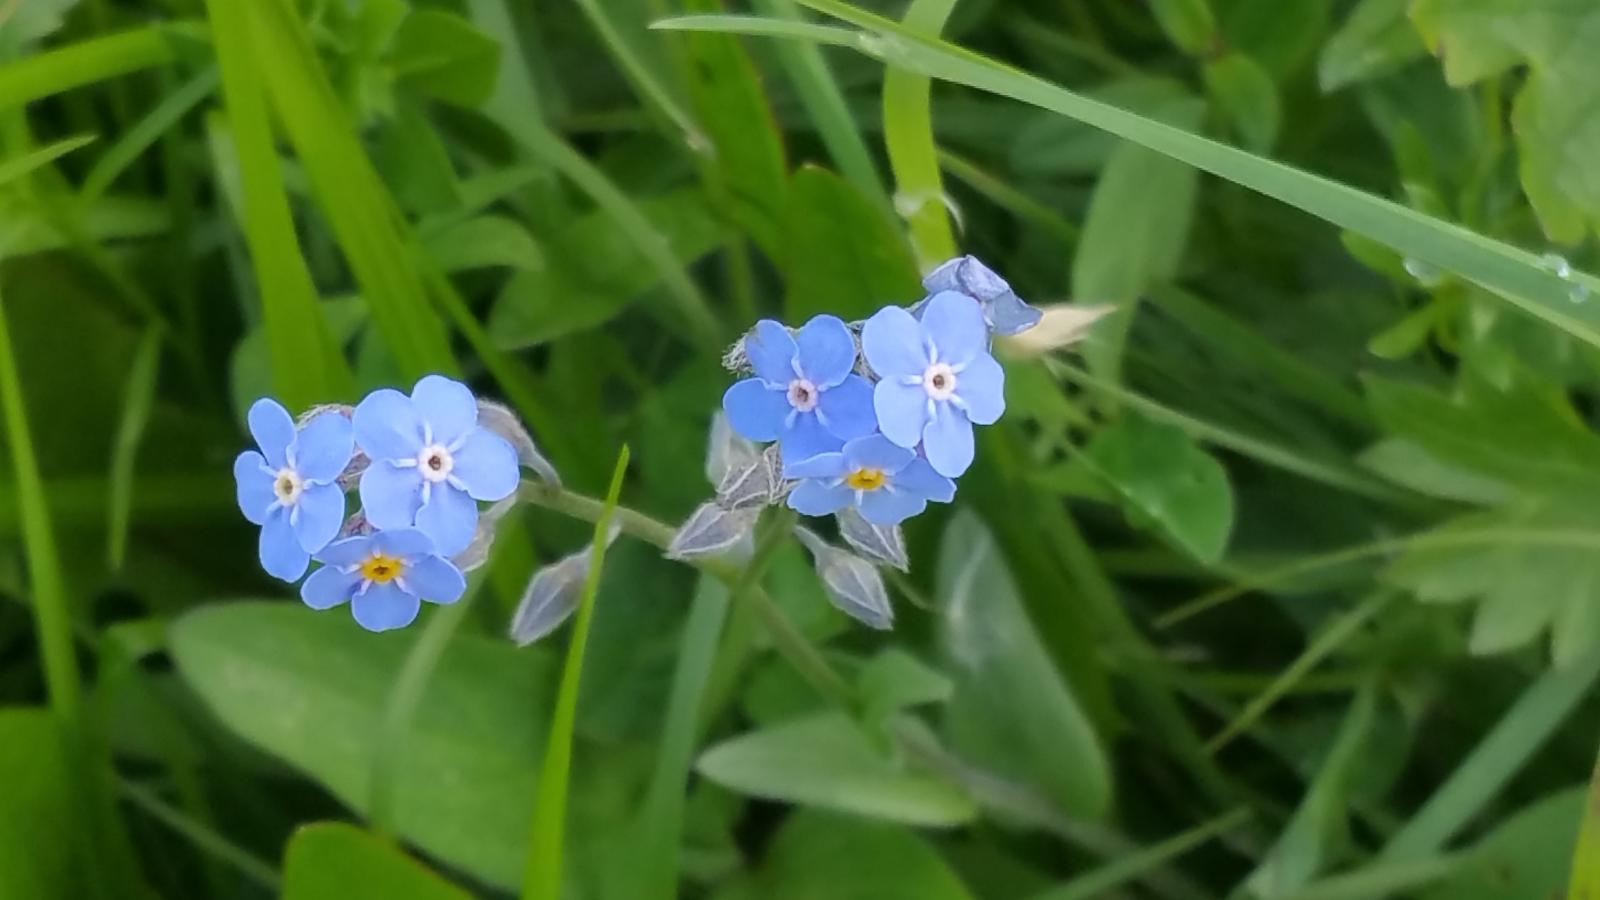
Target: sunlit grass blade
144 134
541 878
136 404
1502 753
908 136
1585 881
1099 881
64 68
12 169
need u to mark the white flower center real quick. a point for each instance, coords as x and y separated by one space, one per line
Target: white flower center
287 486
939 380
803 395
435 462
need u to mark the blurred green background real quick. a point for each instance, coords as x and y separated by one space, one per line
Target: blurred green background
1281 585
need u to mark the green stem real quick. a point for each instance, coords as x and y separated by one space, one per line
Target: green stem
736 638
201 835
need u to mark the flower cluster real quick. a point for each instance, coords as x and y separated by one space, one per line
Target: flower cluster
420 464
877 417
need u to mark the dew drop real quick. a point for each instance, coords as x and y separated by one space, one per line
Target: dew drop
1426 274
1558 264
1579 293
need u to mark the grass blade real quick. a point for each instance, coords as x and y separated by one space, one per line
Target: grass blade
1585 881
12 169
908 136
1380 880
542 878
145 133
136 405
1100 880
54 71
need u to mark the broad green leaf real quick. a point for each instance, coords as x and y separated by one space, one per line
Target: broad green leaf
995 657
39 833
843 255
335 861
442 55
815 855
1375 40
1408 463
895 680
1189 24
482 242
26 23
1280 36
1168 480
826 760
310 688
1527 856
1245 92
1552 118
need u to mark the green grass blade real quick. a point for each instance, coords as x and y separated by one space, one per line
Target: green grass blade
1009 198
757 26
650 88
144 134
1514 274
1500 755
1380 880
908 136
1585 881
307 366
1099 881
12 169
202 836
54 71
541 879
136 405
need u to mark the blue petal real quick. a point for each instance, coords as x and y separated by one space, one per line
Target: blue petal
945 277
273 430
323 448
1007 314
948 441
253 486
890 507
817 498
919 478
450 518
967 275
434 578
771 351
390 494
383 607
902 411
486 464
404 543
281 555
318 516
823 465
877 452
847 408
447 406
806 438
955 324
387 426
754 410
892 342
827 351
348 551
329 586
982 387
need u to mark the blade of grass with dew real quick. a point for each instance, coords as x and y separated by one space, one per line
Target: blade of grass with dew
307 366
541 879
1098 881
86 62
144 134
1502 753
824 102
908 138
1333 635
1585 881
136 403
1509 272
12 169
368 227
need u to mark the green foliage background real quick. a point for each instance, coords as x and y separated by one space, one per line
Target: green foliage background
1281 585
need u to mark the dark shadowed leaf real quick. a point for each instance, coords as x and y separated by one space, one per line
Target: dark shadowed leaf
843 254
1165 478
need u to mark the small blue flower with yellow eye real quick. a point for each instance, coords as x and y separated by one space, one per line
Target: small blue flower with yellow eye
886 482
385 576
936 378
290 486
805 394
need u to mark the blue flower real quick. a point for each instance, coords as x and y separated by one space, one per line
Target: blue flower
431 461
290 487
1005 312
804 393
936 378
386 576
888 483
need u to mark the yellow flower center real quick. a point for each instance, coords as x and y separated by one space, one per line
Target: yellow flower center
381 569
866 479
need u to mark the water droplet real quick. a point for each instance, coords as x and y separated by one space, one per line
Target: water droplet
1558 264
872 44
1426 274
1579 293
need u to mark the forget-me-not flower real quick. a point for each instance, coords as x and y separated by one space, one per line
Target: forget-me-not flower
1005 312
431 461
386 575
290 487
886 482
805 394
936 377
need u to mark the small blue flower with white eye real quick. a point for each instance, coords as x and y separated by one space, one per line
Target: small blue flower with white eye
936 378
385 575
431 461
886 482
1005 312
805 393
290 486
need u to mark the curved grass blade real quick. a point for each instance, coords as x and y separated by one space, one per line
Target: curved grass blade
15 168
130 431
1099 881
143 134
908 136
86 62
